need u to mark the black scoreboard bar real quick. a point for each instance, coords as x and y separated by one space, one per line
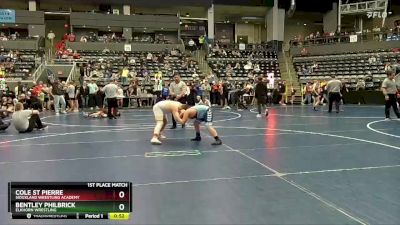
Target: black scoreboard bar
70 200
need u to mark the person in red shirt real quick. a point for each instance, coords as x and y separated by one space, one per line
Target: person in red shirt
37 89
76 55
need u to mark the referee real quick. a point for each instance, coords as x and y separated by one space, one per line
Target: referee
389 89
111 92
333 88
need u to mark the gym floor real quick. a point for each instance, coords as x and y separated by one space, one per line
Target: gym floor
295 167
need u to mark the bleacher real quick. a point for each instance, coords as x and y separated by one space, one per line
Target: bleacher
118 61
267 61
21 68
348 67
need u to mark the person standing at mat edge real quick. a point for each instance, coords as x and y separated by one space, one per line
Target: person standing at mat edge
389 89
111 92
333 88
26 120
177 92
260 93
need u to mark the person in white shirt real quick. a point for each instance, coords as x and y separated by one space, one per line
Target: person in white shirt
120 96
51 37
248 66
71 97
83 39
192 45
111 92
26 120
149 56
161 109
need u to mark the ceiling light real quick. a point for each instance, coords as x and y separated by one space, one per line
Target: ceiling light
145 28
180 22
16 25
162 28
246 21
187 15
305 24
227 21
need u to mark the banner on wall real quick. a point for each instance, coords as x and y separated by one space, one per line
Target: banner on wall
7 16
242 46
353 38
127 48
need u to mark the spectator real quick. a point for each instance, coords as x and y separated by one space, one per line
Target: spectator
304 52
83 39
260 95
124 75
165 91
215 94
71 37
282 92
18 89
225 88
106 50
307 93
292 94
314 66
26 120
149 56
3 125
192 45
71 97
92 88
120 97
206 87
58 94
360 88
191 95
83 93
201 41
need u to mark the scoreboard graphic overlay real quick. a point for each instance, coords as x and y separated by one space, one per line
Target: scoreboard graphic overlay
70 200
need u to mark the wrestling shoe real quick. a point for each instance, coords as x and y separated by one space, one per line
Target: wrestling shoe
266 112
155 141
43 127
196 139
217 142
